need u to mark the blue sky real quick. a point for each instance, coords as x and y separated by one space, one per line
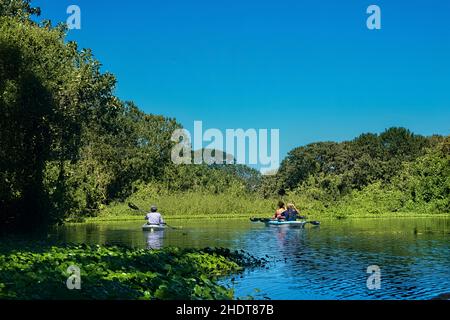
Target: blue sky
310 68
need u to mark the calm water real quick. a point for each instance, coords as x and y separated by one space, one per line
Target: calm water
326 262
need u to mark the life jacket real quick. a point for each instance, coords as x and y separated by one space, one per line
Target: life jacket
291 214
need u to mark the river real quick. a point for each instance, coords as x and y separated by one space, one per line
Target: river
326 262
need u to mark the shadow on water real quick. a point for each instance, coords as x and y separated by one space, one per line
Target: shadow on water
326 262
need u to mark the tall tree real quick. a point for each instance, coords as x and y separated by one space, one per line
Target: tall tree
47 91
21 9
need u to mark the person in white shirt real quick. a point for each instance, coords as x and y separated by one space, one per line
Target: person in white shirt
154 217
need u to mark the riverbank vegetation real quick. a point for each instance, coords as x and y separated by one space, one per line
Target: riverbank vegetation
71 149
40 271
325 180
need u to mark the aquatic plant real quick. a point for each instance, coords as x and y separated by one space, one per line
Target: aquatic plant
40 271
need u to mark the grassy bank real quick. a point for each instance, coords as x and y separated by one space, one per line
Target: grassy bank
131 217
190 205
375 200
40 271
322 216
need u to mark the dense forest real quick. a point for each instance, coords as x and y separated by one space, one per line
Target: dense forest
69 147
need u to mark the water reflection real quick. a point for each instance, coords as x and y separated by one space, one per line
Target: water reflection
154 238
332 263
326 262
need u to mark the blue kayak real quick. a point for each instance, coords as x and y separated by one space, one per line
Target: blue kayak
270 222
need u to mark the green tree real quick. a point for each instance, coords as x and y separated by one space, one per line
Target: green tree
21 9
47 91
426 181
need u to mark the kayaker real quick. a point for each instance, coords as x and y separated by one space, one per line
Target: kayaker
291 212
279 212
154 217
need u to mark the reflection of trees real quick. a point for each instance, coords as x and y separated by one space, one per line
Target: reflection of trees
198 234
117 233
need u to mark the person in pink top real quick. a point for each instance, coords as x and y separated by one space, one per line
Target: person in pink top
278 213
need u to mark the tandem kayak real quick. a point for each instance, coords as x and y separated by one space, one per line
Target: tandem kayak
153 227
270 222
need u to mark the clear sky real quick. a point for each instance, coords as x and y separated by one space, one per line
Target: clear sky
311 68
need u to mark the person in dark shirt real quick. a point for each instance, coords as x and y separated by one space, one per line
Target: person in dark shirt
291 212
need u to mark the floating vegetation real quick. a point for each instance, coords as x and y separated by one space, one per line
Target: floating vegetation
41 271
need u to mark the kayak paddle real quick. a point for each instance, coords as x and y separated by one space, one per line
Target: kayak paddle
260 219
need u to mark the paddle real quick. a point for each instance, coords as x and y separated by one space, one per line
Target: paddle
259 219
135 207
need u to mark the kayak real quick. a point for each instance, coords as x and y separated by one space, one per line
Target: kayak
297 224
270 222
153 227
